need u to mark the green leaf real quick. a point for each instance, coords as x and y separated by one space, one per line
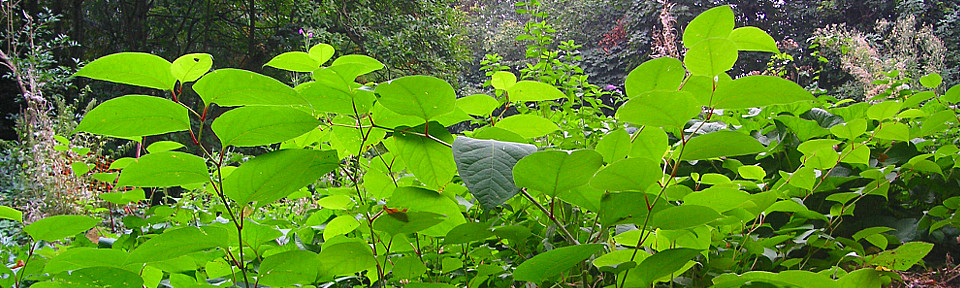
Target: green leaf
99 277
862 278
532 91
663 73
11 214
788 278
720 198
55 228
272 176
431 162
478 104
85 257
953 94
165 169
486 167
650 144
614 146
341 225
527 125
668 262
333 95
553 172
684 216
721 144
753 39
503 80
135 116
357 65
131 68
660 109
295 61
235 87
931 80
322 52
468 232
406 222
257 126
408 267
883 110
632 174
190 67
850 130
717 22
417 199
79 168
346 258
173 243
163 146
759 91
893 131
711 57
903 257
289 268
422 96
551 263
612 210
751 172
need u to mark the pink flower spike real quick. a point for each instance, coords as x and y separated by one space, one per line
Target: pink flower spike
301 31
310 34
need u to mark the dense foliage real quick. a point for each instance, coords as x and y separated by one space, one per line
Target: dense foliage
693 175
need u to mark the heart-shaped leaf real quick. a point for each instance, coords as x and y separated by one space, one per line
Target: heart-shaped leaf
486 167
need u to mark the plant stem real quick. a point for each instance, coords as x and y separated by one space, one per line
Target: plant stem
566 233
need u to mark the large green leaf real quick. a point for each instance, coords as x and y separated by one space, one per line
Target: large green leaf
132 68
788 278
503 80
289 268
417 199
55 228
341 225
11 214
173 243
422 96
551 263
552 172
235 87
862 278
753 39
430 161
321 52
332 95
478 104
190 67
85 257
758 91
346 258
717 22
295 61
468 232
165 169
256 126
532 91
632 174
684 216
651 143
97 277
720 198
721 144
903 257
662 264
663 73
613 211
356 65
486 167
660 109
614 146
406 222
527 125
135 116
272 176
711 57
